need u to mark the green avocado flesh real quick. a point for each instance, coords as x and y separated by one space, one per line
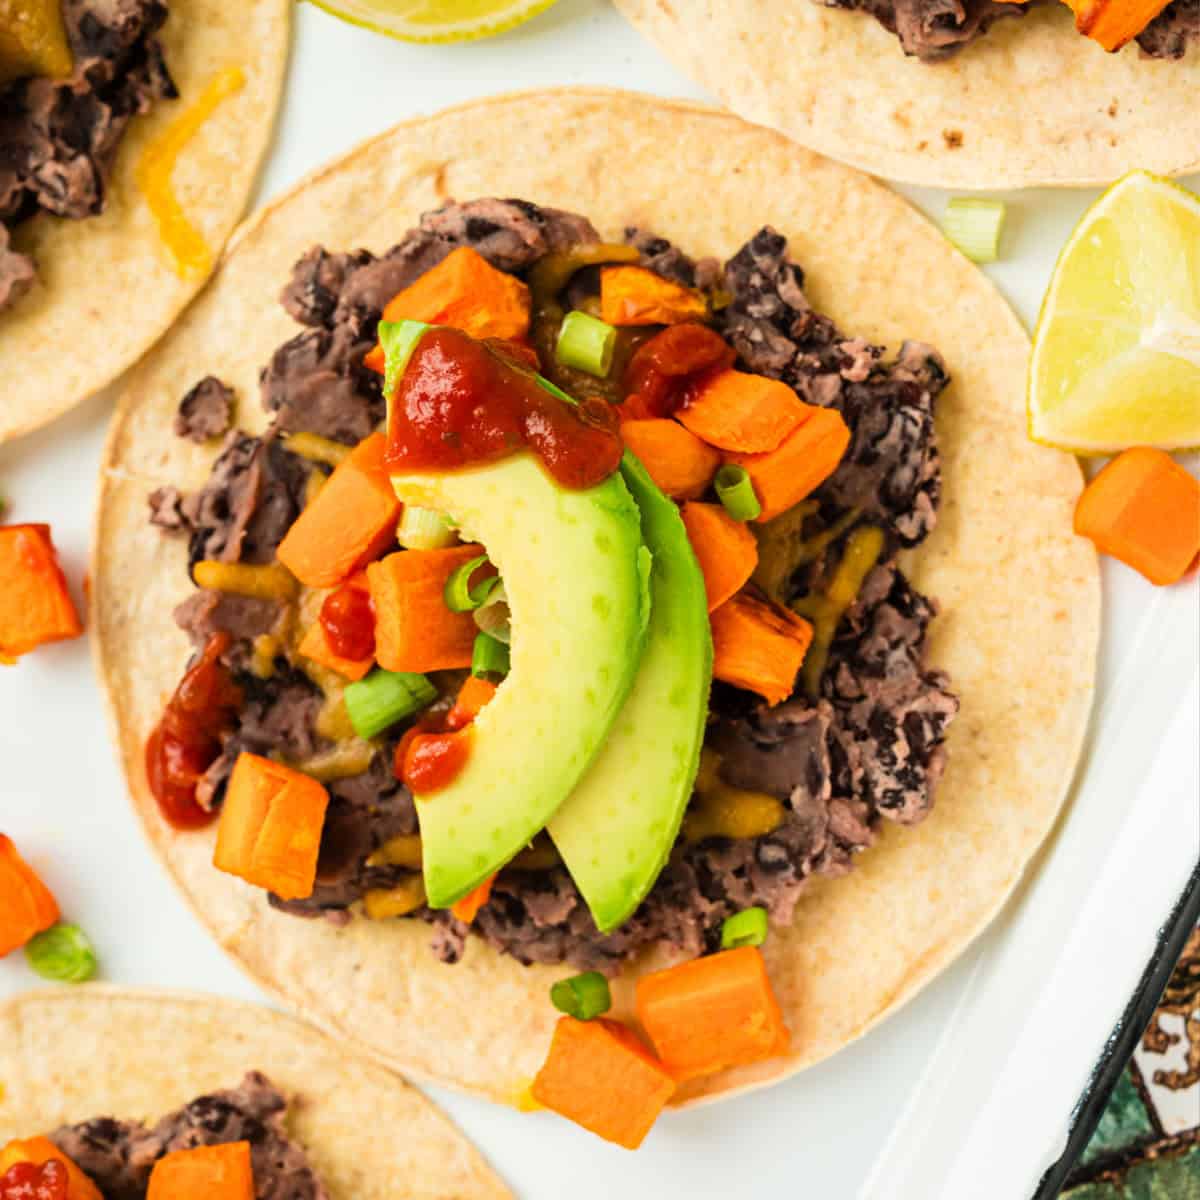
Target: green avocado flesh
574 571
617 829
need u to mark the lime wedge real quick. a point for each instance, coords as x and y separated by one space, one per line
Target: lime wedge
436 20
1116 356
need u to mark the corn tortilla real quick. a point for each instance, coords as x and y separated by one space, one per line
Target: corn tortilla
77 328
1019 594
72 1054
1031 103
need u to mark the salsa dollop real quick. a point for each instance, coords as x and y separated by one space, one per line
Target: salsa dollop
187 741
462 403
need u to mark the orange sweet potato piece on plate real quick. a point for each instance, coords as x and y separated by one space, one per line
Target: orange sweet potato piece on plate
1144 508
599 1075
35 605
27 906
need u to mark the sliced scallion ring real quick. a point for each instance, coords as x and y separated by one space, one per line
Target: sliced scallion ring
586 343
424 529
583 997
735 490
460 595
385 697
974 226
62 953
489 657
747 928
493 616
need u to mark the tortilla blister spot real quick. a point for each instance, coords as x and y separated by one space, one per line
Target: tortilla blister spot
1019 594
1030 103
51 357
70 1055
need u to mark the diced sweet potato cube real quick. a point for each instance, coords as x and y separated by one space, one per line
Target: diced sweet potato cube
465 292
712 1013
759 646
270 828
599 1075
746 413
799 464
637 296
222 1172
35 605
351 521
27 906
681 465
414 630
1144 508
726 550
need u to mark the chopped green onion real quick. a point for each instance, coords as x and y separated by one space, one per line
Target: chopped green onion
424 529
460 596
62 953
582 996
735 490
398 339
586 343
494 617
490 657
748 928
384 698
974 226
554 390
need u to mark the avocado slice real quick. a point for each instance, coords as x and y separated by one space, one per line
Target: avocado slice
616 831
575 571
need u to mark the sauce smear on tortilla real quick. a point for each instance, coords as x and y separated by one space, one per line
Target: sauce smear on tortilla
187 741
461 403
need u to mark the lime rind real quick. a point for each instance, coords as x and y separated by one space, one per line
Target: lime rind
1139 268
367 14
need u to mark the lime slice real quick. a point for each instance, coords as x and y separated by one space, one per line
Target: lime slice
436 20
1116 356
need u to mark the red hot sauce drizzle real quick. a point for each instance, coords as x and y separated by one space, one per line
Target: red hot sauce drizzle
462 403
432 753
187 741
35 1181
348 619
663 371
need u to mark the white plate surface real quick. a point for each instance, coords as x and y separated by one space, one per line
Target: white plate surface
965 1093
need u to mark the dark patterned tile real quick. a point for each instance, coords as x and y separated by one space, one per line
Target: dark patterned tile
1147 1145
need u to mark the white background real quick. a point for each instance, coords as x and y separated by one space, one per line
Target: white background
965 1093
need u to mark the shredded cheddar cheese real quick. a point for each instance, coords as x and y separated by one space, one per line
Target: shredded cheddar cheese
190 253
